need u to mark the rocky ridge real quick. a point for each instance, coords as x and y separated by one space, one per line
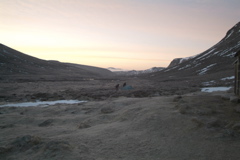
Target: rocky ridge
217 59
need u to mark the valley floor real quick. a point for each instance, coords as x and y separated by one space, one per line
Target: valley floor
202 126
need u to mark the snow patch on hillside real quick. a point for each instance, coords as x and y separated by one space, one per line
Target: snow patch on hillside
228 78
204 55
187 58
204 70
209 83
187 66
169 69
6 51
229 34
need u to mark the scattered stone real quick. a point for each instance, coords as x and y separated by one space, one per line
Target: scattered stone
83 125
226 97
205 111
157 94
4 150
234 99
236 127
215 123
198 121
229 125
83 149
237 109
177 98
107 110
7 126
46 123
229 133
54 146
24 143
183 108
41 96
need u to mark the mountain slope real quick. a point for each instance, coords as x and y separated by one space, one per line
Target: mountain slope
15 63
217 60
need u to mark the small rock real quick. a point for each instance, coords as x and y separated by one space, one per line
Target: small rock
7 126
52 148
46 123
4 150
197 121
236 126
234 99
215 124
107 110
237 109
24 143
156 94
83 125
177 98
225 97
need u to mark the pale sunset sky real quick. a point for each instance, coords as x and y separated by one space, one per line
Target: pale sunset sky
127 34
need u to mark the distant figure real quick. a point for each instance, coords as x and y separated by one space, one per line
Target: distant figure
124 84
117 87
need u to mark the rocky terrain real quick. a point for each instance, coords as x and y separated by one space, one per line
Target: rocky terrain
203 126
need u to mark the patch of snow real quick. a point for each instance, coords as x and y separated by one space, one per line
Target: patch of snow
216 52
214 89
229 34
229 52
208 83
6 51
112 69
184 67
187 58
204 70
169 69
42 103
197 65
201 57
228 78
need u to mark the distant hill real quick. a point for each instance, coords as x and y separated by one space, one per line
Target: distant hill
216 62
121 72
17 65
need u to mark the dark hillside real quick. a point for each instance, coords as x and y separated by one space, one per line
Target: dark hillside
214 63
17 65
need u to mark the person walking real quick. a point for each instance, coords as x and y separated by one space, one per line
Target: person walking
117 87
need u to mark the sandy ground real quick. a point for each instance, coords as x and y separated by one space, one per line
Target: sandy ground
196 126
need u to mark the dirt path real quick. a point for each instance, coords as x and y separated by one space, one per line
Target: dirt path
117 128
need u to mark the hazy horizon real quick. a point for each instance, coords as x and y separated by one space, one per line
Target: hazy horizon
126 34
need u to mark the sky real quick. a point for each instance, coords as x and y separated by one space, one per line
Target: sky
126 34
